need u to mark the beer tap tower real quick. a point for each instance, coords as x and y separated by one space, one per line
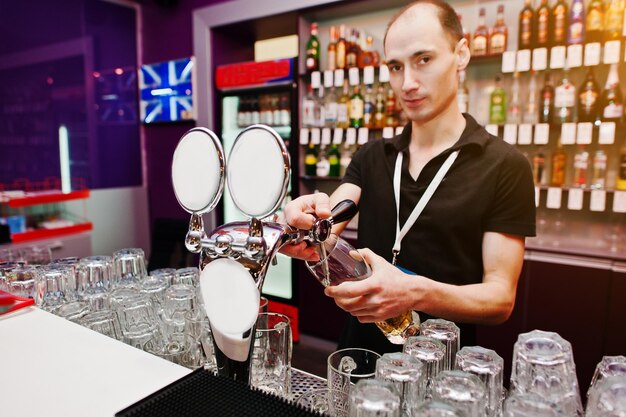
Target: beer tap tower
235 257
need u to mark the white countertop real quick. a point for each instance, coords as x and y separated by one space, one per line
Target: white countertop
52 367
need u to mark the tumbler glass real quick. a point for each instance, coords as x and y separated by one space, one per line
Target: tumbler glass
608 398
487 365
374 398
345 368
129 265
431 352
271 356
167 273
543 363
339 262
178 348
53 284
103 321
178 300
197 326
36 254
95 276
72 283
463 390
187 276
447 333
406 375
21 281
155 287
5 268
529 405
136 315
73 311
608 366
315 400
432 408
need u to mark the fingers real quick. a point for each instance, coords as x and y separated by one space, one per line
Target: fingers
301 212
370 257
300 251
348 290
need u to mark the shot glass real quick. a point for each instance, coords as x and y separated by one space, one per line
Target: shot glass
345 368
447 333
543 363
406 375
271 355
374 398
187 276
338 262
608 398
432 408
103 321
431 352
129 266
488 366
608 366
463 390
529 405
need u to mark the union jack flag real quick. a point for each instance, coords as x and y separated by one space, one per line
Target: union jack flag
166 91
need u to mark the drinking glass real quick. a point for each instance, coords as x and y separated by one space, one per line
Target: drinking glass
178 348
72 280
529 405
103 321
447 333
95 276
543 363
345 368
52 285
187 276
374 398
36 254
271 356
197 326
406 375
8 255
608 366
178 300
21 281
315 400
155 287
73 311
263 305
431 352
5 268
129 266
136 315
432 408
463 390
487 365
338 262
167 273
608 397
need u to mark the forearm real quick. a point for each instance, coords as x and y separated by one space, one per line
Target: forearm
343 192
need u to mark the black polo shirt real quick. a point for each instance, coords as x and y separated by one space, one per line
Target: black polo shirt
488 188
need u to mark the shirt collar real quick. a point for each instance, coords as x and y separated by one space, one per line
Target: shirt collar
473 135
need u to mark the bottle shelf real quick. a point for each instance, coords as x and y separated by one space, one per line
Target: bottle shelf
43 197
38 234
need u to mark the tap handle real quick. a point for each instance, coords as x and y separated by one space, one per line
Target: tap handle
344 211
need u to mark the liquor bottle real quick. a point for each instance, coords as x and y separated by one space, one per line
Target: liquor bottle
497 104
594 22
481 36
538 166
283 110
620 184
343 110
368 108
564 100
530 110
462 93
310 160
546 104
342 46
526 32
241 108
366 58
560 17
345 158
499 34
313 50
255 111
334 161
331 50
322 167
612 104
318 108
513 112
391 116
543 25
466 35
576 29
588 98
559 163
598 178
352 52
614 20
356 108
581 166
379 107
330 108
308 107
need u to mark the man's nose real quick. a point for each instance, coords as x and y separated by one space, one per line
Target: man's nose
410 80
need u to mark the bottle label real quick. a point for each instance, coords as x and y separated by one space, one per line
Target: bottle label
342 112
542 28
526 25
576 33
331 112
559 26
310 62
599 162
565 96
613 111
351 60
594 20
356 109
322 168
498 43
308 117
340 58
480 45
581 160
331 64
285 117
588 99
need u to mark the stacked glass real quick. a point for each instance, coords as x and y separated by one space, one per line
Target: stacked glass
488 366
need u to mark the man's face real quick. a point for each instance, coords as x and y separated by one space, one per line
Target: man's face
422 64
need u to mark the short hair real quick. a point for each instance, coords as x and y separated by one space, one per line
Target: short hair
448 18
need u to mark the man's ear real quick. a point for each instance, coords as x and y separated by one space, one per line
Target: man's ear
462 54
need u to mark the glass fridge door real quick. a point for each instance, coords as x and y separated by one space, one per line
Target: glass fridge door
278 282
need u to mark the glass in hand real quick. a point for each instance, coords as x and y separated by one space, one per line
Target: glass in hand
337 262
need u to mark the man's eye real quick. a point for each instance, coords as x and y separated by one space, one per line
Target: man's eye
425 60
394 68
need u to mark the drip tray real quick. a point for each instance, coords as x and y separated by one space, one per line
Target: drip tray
201 393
